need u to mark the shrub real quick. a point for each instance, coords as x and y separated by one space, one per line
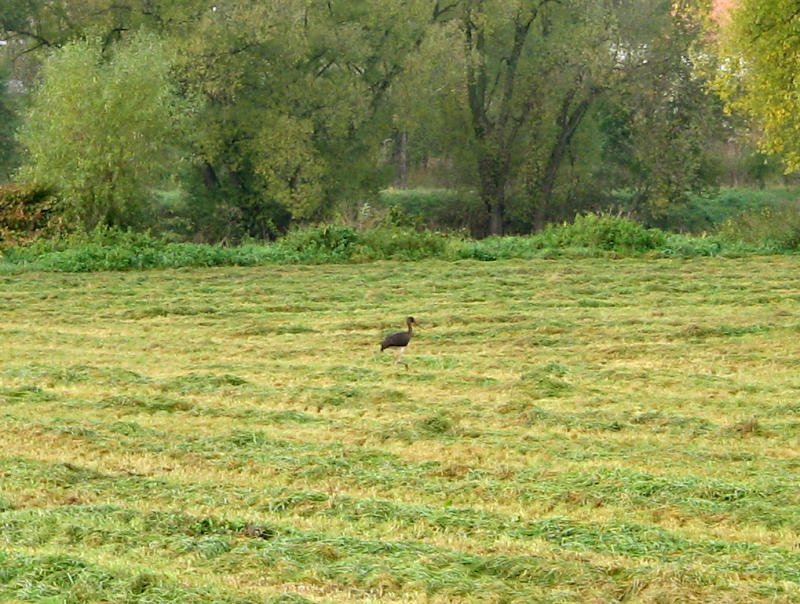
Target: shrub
124 113
401 243
685 246
101 249
27 212
604 232
496 248
115 249
321 244
476 250
438 209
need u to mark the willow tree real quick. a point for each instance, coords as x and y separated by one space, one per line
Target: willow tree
105 131
295 98
526 77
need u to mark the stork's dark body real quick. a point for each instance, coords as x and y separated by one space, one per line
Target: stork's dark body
399 339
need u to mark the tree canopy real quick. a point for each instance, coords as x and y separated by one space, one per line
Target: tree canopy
106 132
760 63
236 118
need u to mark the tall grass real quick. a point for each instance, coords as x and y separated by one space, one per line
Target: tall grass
776 228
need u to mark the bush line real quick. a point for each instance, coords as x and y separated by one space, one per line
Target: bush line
588 236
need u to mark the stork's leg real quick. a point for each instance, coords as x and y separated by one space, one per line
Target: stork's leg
399 358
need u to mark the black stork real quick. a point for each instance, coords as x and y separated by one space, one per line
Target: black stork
400 339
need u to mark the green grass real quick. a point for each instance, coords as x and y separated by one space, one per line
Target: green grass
573 429
452 209
706 213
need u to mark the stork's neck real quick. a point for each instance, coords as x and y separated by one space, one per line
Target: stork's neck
409 326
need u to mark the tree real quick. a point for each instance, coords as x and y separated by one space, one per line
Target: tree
760 42
105 130
532 71
294 94
295 100
583 62
661 123
500 102
534 74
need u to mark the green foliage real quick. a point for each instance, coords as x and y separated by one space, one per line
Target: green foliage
296 104
604 232
399 243
8 122
106 249
292 111
760 49
658 129
289 165
436 209
766 231
707 212
453 211
105 129
331 242
522 125
684 246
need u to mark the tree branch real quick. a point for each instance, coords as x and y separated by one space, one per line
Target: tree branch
439 10
521 30
42 41
111 35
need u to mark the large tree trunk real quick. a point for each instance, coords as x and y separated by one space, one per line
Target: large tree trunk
496 226
495 131
493 174
547 184
209 176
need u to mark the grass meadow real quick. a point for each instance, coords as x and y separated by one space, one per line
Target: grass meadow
568 430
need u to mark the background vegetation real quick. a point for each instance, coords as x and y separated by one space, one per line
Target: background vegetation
240 120
762 231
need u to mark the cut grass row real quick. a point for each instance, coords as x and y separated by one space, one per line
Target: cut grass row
567 431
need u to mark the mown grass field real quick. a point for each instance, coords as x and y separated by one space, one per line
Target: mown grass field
567 430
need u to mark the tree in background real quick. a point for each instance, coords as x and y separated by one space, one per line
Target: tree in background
543 107
105 130
660 125
294 95
520 110
531 72
760 42
295 103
